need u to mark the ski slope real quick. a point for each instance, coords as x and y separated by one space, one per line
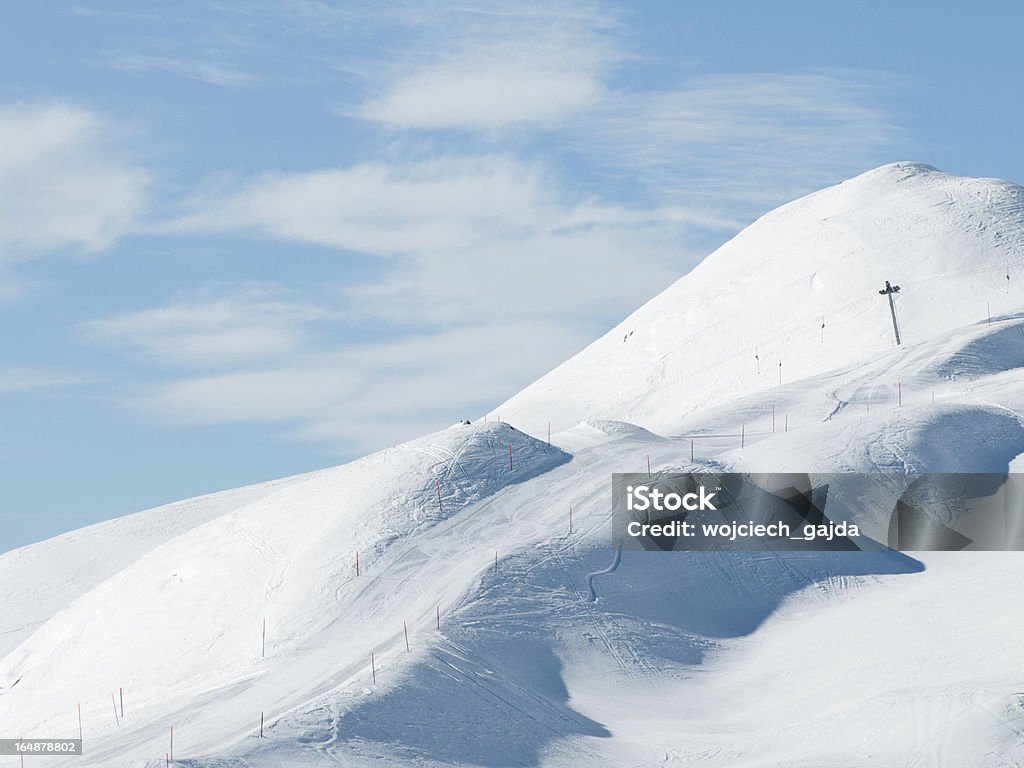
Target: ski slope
530 643
751 314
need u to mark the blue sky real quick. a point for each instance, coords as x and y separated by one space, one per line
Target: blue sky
247 239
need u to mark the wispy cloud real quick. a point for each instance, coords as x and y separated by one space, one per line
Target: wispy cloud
525 192
20 379
460 232
489 67
209 71
366 396
750 140
62 181
240 355
215 327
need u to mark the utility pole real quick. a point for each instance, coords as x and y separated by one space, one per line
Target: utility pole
889 290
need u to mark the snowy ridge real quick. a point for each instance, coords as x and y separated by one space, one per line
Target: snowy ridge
287 556
722 331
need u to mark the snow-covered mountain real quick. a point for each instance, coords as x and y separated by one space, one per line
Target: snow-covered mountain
759 302
480 629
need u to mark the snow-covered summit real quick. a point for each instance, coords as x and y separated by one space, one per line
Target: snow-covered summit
796 294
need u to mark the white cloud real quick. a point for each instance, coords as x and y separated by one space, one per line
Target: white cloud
749 141
378 208
488 94
507 250
21 379
489 67
215 328
465 239
61 182
208 71
365 397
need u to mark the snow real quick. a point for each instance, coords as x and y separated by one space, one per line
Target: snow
554 648
945 240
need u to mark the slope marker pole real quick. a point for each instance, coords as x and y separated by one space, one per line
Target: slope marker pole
80 721
691 449
357 562
549 433
113 701
439 618
373 668
773 417
899 393
742 430
889 290
495 561
570 518
261 725
405 629
787 423
263 647
437 482
648 466
171 753
121 694
510 457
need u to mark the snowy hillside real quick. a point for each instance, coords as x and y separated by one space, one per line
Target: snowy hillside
492 623
762 298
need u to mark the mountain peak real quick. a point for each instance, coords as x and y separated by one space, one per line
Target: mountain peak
751 315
